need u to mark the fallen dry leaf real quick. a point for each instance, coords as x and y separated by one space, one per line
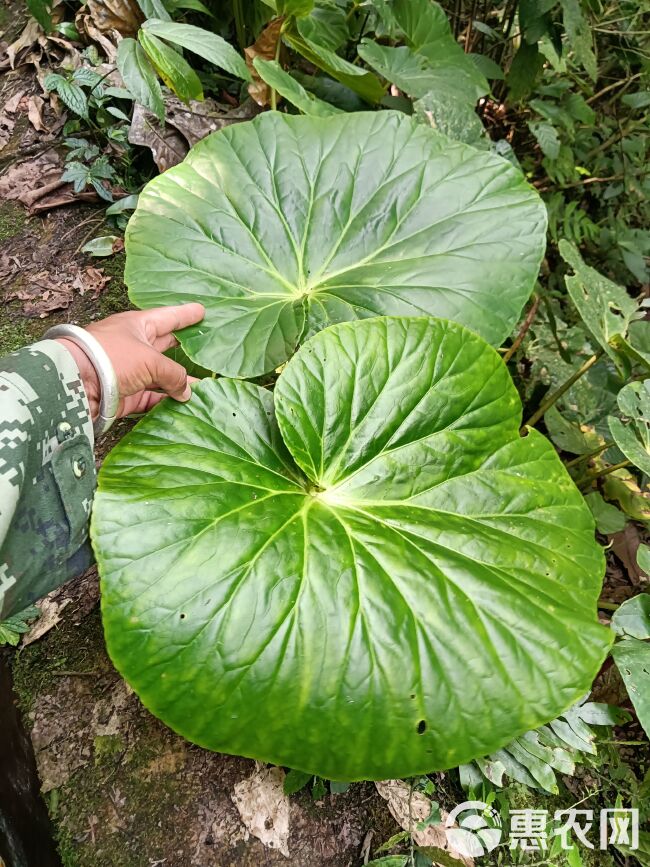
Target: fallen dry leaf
265 46
7 124
625 545
409 808
51 609
91 280
166 144
36 182
12 104
125 16
264 808
27 38
42 296
85 24
184 126
35 112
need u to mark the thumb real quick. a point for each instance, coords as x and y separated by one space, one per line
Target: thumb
168 376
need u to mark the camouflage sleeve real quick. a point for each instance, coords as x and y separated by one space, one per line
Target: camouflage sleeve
47 474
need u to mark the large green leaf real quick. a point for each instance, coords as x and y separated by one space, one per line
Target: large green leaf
365 83
283 225
632 618
326 25
385 580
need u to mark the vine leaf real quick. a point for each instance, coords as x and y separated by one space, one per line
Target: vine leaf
632 618
632 658
605 308
633 439
368 560
284 225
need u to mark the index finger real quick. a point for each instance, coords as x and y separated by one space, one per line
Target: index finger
168 319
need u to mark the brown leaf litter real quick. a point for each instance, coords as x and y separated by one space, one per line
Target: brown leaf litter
47 291
184 126
266 47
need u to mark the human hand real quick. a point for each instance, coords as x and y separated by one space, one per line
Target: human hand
134 341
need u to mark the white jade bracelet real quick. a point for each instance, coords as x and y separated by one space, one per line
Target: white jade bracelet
92 348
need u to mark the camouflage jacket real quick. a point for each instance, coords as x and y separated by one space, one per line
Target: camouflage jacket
47 474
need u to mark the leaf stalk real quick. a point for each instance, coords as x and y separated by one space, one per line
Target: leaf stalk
557 394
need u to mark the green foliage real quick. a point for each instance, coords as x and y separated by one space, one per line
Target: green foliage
13 627
536 757
423 575
633 439
81 176
632 658
389 229
207 45
632 618
272 73
139 76
171 66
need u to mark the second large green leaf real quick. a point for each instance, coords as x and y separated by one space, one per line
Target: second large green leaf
367 574
283 225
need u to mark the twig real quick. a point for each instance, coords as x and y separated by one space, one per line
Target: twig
597 474
84 239
66 673
592 454
528 321
548 403
91 219
620 133
581 183
619 83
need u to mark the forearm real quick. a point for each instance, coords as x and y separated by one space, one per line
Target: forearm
47 473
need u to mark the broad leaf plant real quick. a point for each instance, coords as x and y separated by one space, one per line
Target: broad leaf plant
369 571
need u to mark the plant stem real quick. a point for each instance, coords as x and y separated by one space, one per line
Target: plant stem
240 26
550 400
278 47
619 83
597 474
592 454
350 14
606 605
528 321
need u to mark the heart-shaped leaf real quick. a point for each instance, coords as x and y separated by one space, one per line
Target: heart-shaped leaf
284 225
366 574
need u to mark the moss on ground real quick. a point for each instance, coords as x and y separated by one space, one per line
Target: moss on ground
38 666
12 216
142 812
115 298
82 808
16 332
